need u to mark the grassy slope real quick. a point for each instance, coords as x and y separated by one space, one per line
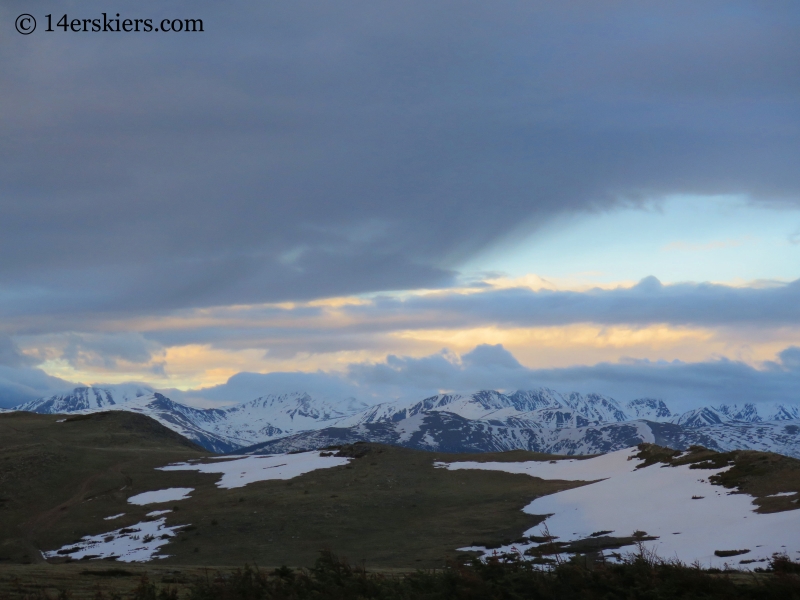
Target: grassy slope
388 508
58 480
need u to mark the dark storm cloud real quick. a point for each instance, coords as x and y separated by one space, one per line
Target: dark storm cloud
308 149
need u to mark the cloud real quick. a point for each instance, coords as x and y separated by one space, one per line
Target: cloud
789 358
366 324
20 384
682 385
544 328
647 302
487 355
313 149
105 350
248 386
10 355
326 327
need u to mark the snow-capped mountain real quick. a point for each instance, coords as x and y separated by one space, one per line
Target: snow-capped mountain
745 413
700 417
279 415
542 420
651 409
536 408
191 423
86 398
217 429
447 432
753 413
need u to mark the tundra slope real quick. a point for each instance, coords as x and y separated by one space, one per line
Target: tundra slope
541 420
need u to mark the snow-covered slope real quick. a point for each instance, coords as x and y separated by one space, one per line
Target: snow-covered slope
448 432
679 509
651 409
279 415
86 398
753 413
536 408
744 413
190 422
700 417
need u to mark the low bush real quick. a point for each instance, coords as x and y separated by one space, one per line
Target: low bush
639 576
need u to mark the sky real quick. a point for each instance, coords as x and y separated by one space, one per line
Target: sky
390 200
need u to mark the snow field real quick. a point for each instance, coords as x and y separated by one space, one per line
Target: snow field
242 470
157 496
690 517
136 543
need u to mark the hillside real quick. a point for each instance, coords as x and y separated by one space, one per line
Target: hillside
62 479
59 476
88 489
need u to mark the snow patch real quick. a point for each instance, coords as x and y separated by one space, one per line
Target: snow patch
242 470
167 495
659 501
112 517
158 513
408 427
591 469
137 543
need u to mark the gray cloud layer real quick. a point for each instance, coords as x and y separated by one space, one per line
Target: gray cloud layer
285 332
300 328
307 149
647 302
682 385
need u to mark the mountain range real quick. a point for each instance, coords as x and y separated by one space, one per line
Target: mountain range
541 420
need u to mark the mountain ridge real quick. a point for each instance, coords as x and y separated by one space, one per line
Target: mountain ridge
542 420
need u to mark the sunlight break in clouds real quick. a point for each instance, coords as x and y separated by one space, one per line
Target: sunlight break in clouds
544 328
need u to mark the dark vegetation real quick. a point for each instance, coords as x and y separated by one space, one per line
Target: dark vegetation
638 576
